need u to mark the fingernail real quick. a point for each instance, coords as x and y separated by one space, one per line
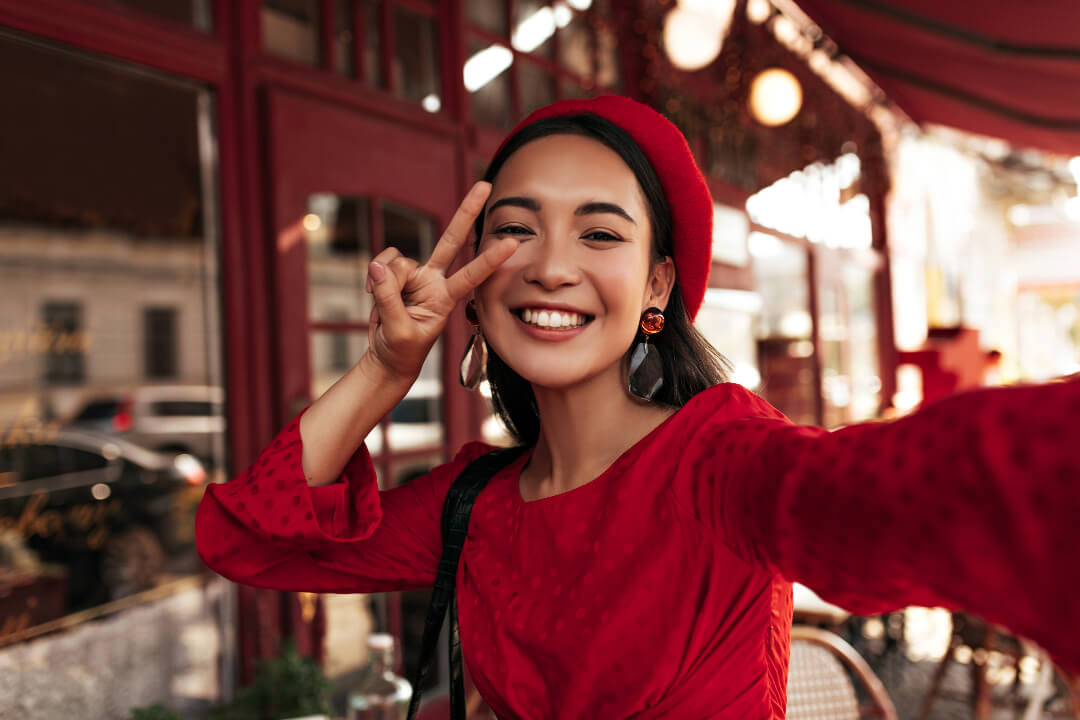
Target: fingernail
376 271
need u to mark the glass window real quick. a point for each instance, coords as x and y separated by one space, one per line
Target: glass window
343 38
607 59
488 83
728 320
487 15
338 231
416 58
160 351
784 347
537 87
847 337
372 21
574 47
290 29
196 13
572 89
107 229
411 232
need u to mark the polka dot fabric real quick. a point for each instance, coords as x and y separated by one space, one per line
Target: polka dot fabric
661 588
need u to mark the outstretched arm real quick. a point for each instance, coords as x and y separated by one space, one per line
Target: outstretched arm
973 502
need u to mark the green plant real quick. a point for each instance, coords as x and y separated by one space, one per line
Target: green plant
157 711
285 686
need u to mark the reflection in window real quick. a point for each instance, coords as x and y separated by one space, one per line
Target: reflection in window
728 320
105 228
290 29
332 354
850 375
196 13
487 15
537 87
417 421
416 58
534 23
343 38
569 89
607 59
338 231
409 231
574 47
785 348
488 84
372 43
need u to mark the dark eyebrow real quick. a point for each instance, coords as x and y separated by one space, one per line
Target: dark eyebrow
603 207
590 208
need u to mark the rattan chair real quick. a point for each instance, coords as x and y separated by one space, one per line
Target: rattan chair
819 683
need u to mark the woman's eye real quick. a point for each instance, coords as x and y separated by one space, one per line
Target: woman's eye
512 230
601 235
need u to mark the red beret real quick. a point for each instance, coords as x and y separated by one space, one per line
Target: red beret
685 187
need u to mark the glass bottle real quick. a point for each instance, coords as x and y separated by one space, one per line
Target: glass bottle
381 695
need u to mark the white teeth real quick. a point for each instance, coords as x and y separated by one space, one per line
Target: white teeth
552 318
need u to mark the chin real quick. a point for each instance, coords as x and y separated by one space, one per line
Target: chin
555 370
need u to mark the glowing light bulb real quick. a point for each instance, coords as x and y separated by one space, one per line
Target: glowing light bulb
775 97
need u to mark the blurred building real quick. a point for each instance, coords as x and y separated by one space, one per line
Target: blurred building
192 191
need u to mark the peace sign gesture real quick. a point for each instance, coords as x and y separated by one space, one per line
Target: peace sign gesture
414 301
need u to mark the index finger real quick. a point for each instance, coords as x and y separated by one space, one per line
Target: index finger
457 231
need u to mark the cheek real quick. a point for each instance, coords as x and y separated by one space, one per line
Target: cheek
620 280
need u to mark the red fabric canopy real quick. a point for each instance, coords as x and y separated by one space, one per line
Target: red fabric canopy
1002 68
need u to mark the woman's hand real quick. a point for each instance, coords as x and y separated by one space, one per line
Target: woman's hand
413 301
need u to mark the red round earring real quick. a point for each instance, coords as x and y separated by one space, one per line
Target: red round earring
652 321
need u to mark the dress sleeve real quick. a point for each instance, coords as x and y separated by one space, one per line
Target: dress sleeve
268 528
973 503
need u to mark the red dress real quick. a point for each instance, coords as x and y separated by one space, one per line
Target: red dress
661 588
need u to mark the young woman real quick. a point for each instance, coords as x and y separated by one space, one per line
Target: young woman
636 560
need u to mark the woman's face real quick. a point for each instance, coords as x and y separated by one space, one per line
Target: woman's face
566 306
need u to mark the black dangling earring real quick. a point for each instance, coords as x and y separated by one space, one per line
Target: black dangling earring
471 372
646 375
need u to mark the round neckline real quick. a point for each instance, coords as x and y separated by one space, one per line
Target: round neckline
624 457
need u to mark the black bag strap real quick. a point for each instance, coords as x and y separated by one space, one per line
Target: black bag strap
455 525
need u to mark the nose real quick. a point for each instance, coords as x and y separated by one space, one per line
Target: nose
552 265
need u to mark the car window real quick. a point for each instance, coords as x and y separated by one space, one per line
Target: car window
41 461
180 408
7 466
99 410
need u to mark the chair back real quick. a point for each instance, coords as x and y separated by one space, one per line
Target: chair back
820 683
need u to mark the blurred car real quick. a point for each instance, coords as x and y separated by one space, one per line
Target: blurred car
100 505
174 418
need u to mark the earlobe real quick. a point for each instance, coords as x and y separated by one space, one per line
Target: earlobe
662 282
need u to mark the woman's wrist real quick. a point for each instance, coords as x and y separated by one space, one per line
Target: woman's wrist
380 375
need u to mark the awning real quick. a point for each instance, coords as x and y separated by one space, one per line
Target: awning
1004 68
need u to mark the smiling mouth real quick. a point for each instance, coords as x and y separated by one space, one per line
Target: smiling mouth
552 319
